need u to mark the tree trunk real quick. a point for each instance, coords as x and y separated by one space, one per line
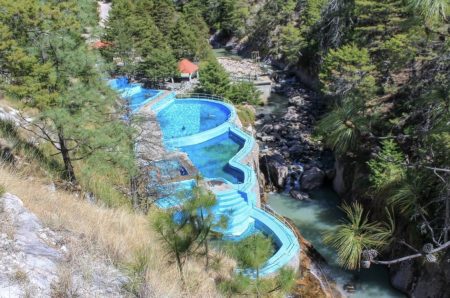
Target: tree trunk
447 212
134 192
180 267
206 254
69 173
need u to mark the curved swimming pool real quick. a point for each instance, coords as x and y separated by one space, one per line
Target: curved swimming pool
205 130
188 117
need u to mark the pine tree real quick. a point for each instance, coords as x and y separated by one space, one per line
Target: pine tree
46 64
213 78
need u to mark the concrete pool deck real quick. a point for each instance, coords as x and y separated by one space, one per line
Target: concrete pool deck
242 199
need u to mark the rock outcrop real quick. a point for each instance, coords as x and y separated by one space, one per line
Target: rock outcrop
312 178
36 261
423 279
287 141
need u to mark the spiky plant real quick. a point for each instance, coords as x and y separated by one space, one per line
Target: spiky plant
430 9
355 234
341 128
406 198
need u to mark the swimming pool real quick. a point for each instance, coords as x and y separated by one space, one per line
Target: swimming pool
135 95
190 116
211 157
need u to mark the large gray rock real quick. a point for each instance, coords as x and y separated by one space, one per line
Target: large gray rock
274 168
419 278
23 252
312 178
33 259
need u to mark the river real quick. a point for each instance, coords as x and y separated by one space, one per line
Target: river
322 214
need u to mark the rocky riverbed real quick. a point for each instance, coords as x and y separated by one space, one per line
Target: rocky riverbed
240 67
290 156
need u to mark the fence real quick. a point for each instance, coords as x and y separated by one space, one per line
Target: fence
203 96
272 212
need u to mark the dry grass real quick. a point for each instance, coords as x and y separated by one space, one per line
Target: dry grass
118 234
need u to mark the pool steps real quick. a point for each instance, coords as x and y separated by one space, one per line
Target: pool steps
242 197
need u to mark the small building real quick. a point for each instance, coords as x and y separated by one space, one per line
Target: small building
187 69
101 44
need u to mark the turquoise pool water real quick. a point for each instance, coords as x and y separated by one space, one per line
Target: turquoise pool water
174 194
188 117
211 157
134 94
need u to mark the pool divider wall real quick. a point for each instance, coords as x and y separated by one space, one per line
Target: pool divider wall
284 237
127 90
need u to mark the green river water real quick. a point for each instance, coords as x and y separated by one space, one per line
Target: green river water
322 214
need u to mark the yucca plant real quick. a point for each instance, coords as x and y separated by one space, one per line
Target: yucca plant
430 9
341 128
355 234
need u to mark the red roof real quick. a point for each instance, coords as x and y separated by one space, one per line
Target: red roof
101 44
186 66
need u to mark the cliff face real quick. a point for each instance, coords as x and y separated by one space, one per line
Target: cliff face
421 279
416 278
37 261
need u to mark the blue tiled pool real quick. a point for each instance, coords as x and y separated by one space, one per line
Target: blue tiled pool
174 194
190 116
211 157
135 94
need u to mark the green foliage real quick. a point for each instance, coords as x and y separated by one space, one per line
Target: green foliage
213 78
74 113
348 70
243 92
430 10
387 170
183 230
227 15
137 271
246 115
291 43
342 127
148 37
252 252
278 286
2 190
312 12
355 234
397 51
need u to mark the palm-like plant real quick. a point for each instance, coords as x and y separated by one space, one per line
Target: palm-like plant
356 234
406 198
341 128
430 9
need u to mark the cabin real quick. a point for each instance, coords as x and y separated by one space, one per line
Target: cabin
187 69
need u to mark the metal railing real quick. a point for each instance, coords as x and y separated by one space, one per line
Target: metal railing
202 96
269 210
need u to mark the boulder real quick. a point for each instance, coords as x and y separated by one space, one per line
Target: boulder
299 195
274 168
312 178
291 115
296 100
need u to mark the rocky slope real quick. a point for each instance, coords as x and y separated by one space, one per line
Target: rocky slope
37 261
291 157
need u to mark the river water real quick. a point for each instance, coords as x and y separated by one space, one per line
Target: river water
322 214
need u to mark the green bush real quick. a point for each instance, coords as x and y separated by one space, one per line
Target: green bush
246 115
